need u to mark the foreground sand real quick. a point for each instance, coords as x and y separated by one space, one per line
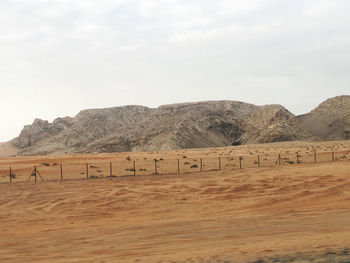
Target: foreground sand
279 214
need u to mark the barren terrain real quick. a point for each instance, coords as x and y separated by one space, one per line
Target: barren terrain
287 213
182 126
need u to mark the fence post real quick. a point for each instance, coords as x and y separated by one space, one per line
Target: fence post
298 161
201 164
110 169
333 156
315 156
258 160
87 171
61 172
35 172
134 167
10 175
178 166
155 166
240 162
219 163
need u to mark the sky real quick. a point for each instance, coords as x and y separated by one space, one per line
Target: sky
58 57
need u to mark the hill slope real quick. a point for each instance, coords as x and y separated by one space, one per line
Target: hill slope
330 120
178 126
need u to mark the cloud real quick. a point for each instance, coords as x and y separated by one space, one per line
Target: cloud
115 52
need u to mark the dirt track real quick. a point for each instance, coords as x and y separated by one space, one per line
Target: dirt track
299 212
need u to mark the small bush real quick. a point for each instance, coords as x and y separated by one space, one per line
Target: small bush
194 166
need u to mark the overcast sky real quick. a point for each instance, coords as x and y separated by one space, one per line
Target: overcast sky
58 57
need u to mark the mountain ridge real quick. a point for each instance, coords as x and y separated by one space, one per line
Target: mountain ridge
182 125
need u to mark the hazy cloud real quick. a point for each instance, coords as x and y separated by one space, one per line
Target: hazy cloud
60 56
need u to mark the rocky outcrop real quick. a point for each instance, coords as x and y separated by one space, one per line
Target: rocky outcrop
185 125
274 123
40 130
330 120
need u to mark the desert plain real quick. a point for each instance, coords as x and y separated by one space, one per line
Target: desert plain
209 210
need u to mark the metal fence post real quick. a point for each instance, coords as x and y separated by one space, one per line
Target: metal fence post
35 172
61 171
87 171
155 166
298 161
315 157
178 166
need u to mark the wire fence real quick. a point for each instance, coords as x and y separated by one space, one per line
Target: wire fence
52 171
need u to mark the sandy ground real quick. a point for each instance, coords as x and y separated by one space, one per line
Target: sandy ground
296 213
170 162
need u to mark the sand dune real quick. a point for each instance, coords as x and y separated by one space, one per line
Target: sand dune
292 212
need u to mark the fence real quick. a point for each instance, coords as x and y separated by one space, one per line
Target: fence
99 168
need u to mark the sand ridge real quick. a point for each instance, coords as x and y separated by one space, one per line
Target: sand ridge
217 216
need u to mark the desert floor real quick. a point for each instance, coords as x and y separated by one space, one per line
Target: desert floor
288 213
169 162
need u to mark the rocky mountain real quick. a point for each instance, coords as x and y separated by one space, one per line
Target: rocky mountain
186 125
330 120
274 123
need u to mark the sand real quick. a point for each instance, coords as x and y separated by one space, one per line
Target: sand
290 213
74 166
